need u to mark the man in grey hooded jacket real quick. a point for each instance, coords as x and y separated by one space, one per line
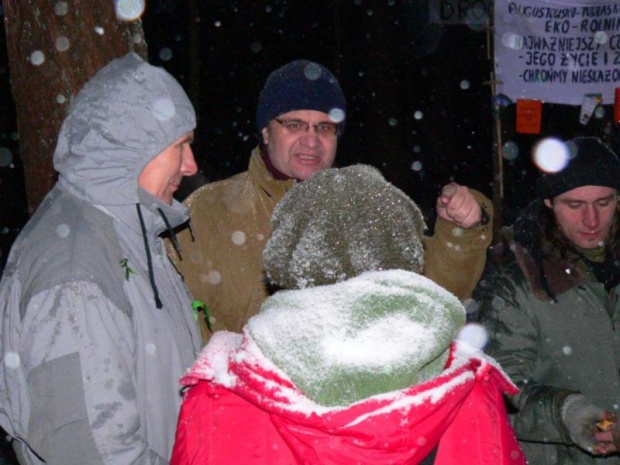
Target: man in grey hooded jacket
97 325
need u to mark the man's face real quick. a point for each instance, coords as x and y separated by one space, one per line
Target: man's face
162 176
300 154
585 215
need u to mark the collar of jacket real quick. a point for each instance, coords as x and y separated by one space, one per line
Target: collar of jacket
524 240
261 177
562 274
176 213
275 172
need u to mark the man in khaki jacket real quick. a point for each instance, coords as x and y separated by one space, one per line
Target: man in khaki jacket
300 115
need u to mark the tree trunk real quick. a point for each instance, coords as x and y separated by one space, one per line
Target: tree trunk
54 48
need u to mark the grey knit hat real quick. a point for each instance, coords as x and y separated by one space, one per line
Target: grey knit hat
339 224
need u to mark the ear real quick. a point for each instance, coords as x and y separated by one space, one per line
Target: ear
265 133
548 203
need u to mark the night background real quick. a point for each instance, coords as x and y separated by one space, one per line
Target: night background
420 104
418 108
391 63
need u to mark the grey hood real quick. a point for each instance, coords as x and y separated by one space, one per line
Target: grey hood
96 317
127 114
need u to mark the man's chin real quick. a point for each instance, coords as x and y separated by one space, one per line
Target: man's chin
591 244
306 173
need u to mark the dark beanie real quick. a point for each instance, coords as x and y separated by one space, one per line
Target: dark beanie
299 85
340 223
591 163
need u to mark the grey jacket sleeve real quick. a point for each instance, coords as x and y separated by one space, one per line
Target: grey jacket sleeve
507 312
78 355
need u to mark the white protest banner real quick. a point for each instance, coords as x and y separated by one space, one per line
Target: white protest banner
557 51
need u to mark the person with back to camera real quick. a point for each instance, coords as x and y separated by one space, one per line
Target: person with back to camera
301 116
353 360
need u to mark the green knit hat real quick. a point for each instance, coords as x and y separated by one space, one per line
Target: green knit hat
378 332
339 224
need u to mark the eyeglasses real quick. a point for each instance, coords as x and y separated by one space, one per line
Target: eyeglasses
295 126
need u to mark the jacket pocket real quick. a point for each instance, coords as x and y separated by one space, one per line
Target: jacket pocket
58 425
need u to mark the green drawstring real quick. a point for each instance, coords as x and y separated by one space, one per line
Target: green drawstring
200 307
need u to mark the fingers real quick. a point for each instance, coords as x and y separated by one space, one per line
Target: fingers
604 443
447 192
608 440
457 205
603 436
604 448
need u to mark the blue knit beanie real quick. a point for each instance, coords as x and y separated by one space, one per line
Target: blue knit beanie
300 85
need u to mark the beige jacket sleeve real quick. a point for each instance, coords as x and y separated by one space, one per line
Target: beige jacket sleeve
455 257
191 269
222 265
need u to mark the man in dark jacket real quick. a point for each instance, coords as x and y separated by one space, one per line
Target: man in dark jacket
552 312
97 325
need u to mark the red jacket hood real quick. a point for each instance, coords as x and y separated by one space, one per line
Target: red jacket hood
461 410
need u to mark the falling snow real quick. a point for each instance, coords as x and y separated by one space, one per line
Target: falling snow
473 334
37 58
416 166
150 348
165 54
336 115
63 231
510 151
601 37
312 71
61 8
11 360
62 44
238 237
129 10
6 157
164 109
551 155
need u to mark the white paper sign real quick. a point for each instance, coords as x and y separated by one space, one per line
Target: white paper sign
557 51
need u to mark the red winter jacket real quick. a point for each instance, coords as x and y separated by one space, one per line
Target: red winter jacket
240 409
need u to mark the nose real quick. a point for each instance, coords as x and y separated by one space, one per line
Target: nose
310 138
189 167
591 217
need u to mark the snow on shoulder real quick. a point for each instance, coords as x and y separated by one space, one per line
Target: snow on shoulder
213 362
375 333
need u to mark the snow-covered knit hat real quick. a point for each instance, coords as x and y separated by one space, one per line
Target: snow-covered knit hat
591 163
341 223
300 85
377 332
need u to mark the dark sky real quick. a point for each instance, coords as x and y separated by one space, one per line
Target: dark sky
419 98
391 62
418 94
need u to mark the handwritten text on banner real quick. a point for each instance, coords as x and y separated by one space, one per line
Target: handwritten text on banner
557 51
